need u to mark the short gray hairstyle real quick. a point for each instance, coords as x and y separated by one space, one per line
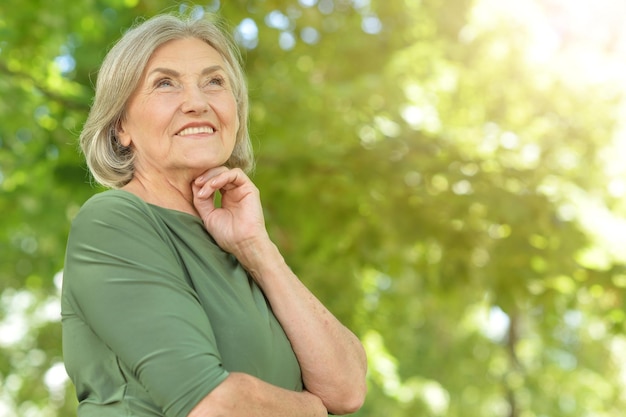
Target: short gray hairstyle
112 164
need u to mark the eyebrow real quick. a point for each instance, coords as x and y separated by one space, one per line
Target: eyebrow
174 73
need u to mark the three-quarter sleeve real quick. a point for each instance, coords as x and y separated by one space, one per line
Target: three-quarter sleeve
123 279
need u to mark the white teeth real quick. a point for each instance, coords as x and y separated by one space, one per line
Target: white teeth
196 130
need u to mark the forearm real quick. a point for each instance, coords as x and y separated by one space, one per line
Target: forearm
332 358
242 395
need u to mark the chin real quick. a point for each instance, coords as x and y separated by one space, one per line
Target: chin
200 168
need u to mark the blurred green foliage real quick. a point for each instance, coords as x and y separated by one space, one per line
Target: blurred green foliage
418 179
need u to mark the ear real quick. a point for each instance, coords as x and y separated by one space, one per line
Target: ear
123 136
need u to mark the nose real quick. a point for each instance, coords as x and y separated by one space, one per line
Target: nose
194 100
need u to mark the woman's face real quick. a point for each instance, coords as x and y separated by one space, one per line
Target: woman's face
182 118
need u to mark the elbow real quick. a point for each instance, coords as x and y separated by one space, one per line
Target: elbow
353 403
348 401
359 400
346 395
354 396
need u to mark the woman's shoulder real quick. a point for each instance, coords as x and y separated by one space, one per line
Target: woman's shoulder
115 217
113 198
112 205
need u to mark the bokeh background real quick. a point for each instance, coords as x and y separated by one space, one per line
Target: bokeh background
446 175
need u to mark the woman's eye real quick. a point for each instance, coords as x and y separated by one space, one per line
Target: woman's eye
216 82
165 82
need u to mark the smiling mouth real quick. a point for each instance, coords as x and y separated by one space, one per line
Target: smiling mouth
196 131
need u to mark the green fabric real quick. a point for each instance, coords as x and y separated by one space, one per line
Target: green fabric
155 314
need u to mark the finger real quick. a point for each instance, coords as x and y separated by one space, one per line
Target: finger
203 191
229 179
209 174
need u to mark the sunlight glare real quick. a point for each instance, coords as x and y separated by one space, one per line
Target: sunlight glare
55 380
581 43
581 40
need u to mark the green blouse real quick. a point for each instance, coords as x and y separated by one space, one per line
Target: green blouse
155 314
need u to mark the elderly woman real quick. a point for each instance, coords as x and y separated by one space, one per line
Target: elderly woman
173 305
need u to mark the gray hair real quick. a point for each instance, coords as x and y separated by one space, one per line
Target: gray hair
112 164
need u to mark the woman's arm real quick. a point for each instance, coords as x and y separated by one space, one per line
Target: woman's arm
123 293
242 395
332 359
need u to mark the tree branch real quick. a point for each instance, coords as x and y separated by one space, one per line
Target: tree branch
51 95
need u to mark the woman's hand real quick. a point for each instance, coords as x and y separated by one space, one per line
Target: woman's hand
331 357
239 222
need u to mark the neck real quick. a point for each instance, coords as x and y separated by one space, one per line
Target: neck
163 192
